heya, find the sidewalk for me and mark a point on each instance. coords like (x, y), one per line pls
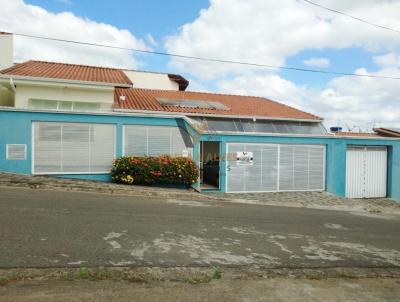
(313, 200)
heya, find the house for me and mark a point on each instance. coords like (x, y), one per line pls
(73, 120)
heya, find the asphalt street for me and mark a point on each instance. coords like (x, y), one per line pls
(70, 229)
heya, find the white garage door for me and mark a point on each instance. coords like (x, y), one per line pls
(366, 172)
(275, 168)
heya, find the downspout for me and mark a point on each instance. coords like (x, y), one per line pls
(13, 85)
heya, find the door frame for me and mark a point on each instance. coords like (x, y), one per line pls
(202, 164)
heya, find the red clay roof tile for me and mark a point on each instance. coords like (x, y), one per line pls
(146, 99)
(68, 72)
(388, 132)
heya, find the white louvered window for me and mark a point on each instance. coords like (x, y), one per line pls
(156, 140)
(69, 148)
(15, 152)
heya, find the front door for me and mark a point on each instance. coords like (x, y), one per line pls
(210, 165)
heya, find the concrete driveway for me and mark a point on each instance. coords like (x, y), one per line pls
(61, 229)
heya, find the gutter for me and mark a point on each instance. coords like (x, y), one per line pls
(328, 136)
(222, 115)
(64, 81)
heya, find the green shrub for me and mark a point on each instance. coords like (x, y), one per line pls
(154, 170)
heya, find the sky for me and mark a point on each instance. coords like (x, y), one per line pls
(286, 33)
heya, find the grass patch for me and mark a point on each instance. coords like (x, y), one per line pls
(99, 274)
(83, 273)
(217, 273)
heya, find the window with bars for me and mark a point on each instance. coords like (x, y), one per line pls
(72, 147)
(156, 140)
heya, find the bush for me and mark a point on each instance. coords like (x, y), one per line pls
(154, 170)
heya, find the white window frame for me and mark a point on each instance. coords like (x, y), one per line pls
(279, 168)
(69, 173)
(8, 151)
(73, 104)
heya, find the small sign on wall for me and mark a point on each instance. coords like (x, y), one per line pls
(185, 153)
(244, 158)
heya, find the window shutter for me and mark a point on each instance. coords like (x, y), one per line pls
(156, 140)
(135, 140)
(102, 147)
(159, 141)
(73, 147)
(180, 141)
(47, 147)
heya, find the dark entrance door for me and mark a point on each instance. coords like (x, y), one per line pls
(210, 161)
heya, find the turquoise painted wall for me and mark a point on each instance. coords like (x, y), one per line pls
(15, 128)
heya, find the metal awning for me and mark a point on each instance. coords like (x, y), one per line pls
(240, 125)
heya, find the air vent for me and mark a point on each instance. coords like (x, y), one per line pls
(15, 152)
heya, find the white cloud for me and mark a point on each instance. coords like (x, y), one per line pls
(388, 60)
(317, 62)
(17, 16)
(270, 32)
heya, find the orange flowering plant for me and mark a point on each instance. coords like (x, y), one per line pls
(154, 170)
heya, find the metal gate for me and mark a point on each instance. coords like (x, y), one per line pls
(366, 172)
(275, 168)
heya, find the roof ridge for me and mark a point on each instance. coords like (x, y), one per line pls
(72, 64)
(95, 66)
(66, 71)
(234, 95)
